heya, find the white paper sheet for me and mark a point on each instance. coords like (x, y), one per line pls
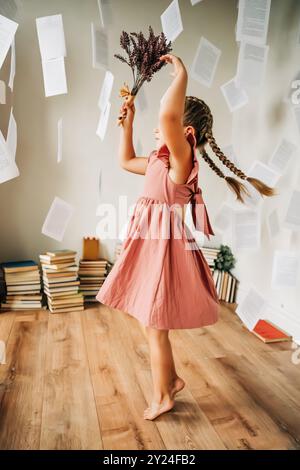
(171, 21)
(105, 12)
(99, 47)
(223, 218)
(57, 219)
(252, 61)
(194, 2)
(205, 62)
(8, 29)
(106, 90)
(273, 224)
(264, 173)
(251, 308)
(51, 37)
(55, 82)
(103, 121)
(285, 269)
(246, 229)
(59, 140)
(235, 96)
(2, 92)
(12, 65)
(253, 21)
(11, 140)
(292, 216)
(282, 155)
(8, 167)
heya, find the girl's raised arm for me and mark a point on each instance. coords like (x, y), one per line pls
(171, 119)
(127, 158)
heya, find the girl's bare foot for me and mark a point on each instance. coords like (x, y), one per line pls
(177, 385)
(156, 409)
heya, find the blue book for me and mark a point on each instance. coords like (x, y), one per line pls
(15, 266)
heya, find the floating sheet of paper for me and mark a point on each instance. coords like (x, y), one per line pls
(12, 66)
(251, 308)
(51, 37)
(11, 140)
(246, 229)
(105, 12)
(223, 218)
(282, 155)
(252, 63)
(2, 92)
(8, 167)
(253, 21)
(194, 2)
(57, 219)
(286, 268)
(99, 47)
(273, 224)
(59, 140)
(102, 125)
(171, 21)
(8, 29)
(235, 96)
(264, 172)
(205, 62)
(106, 90)
(55, 82)
(292, 216)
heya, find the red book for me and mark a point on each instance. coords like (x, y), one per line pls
(270, 333)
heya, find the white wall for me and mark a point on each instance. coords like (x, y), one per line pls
(256, 129)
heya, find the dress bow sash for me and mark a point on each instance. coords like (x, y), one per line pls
(199, 213)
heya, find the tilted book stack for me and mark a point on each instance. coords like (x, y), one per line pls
(22, 285)
(226, 285)
(60, 281)
(92, 274)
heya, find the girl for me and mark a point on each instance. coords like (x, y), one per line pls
(165, 282)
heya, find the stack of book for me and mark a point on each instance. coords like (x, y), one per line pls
(92, 274)
(60, 281)
(210, 254)
(22, 285)
(226, 285)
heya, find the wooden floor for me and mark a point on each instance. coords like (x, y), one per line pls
(82, 380)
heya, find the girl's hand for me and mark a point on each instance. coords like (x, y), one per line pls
(128, 112)
(176, 61)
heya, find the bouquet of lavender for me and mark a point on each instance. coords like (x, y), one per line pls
(143, 59)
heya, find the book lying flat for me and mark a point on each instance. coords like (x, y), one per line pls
(269, 333)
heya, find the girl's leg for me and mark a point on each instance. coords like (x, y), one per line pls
(165, 379)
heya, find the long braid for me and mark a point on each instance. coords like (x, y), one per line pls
(195, 109)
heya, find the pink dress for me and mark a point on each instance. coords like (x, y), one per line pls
(164, 280)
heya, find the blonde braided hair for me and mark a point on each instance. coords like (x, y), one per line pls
(198, 115)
